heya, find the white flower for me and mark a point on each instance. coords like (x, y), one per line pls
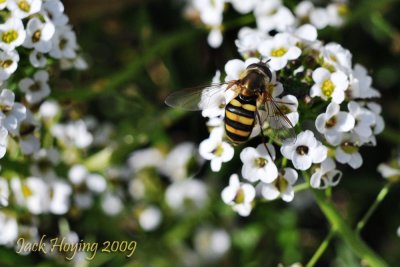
(365, 119)
(329, 85)
(8, 63)
(215, 37)
(11, 113)
(45, 160)
(4, 192)
(77, 174)
(3, 141)
(137, 189)
(54, 9)
(23, 8)
(73, 134)
(272, 14)
(12, 34)
(186, 194)
(145, 158)
(39, 34)
(258, 165)
(211, 243)
(390, 171)
(150, 218)
(96, 183)
(319, 17)
(326, 175)
(288, 105)
(379, 124)
(216, 150)
(361, 83)
(235, 67)
(243, 6)
(111, 204)
(335, 18)
(78, 63)
(249, 40)
(176, 163)
(280, 49)
(64, 43)
(333, 123)
(49, 109)
(337, 56)
(3, 4)
(348, 153)
(60, 197)
(282, 186)
(35, 89)
(29, 144)
(33, 193)
(8, 229)
(303, 10)
(305, 151)
(239, 195)
(37, 59)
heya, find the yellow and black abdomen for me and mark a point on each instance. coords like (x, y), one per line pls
(240, 118)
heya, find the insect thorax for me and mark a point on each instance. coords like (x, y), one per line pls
(254, 82)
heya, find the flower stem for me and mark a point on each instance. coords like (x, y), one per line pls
(379, 198)
(301, 187)
(321, 249)
(344, 231)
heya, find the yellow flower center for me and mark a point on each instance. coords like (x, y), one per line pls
(36, 36)
(302, 150)
(26, 191)
(239, 198)
(63, 42)
(9, 36)
(260, 162)
(218, 151)
(349, 147)
(34, 87)
(6, 63)
(281, 184)
(24, 5)
(278, 52)
(327, 88)
(331, 122)
(2, 1)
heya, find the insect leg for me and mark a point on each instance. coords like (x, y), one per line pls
(263, 139)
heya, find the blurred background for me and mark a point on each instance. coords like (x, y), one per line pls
(139, 51)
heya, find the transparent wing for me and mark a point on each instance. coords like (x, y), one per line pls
(282, 130)
(198, 98)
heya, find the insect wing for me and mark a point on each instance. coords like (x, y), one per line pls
(197, 98)
(283, 129)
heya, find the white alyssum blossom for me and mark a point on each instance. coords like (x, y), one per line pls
(329, 86)
(211, 243)
(258, 164)
(54, 9)
(347, 151)
(337, 56)
(150, 218)
(215, 37)
(279, 50)
(333, 123)
(11, 112)
(390, 171)
(23, 8)
(273, 15)
(215, 149)
(287, 105)
(60, 197)
(12, 34)
(3, 141)
(364, 119)
(239, 195)
(8, 229)
(8, 63)
(145, 158)
(361, 83)
(35, 89)
(49, 109)
(249, 39)
(282, 186)
(64, 43)
(186, 194)
(379, 123)
(4, 192)
(37, 59)
(32, 193)
(73, 134)
(326, 175)
(39, 34)
(243, 6)
(111, 204)
(305, 151)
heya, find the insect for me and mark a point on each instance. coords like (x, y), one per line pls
(251, 95)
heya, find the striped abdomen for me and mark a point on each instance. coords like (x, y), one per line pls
(240, 117)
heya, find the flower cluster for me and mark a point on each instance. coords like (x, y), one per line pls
(328, 100)
(269, 15)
